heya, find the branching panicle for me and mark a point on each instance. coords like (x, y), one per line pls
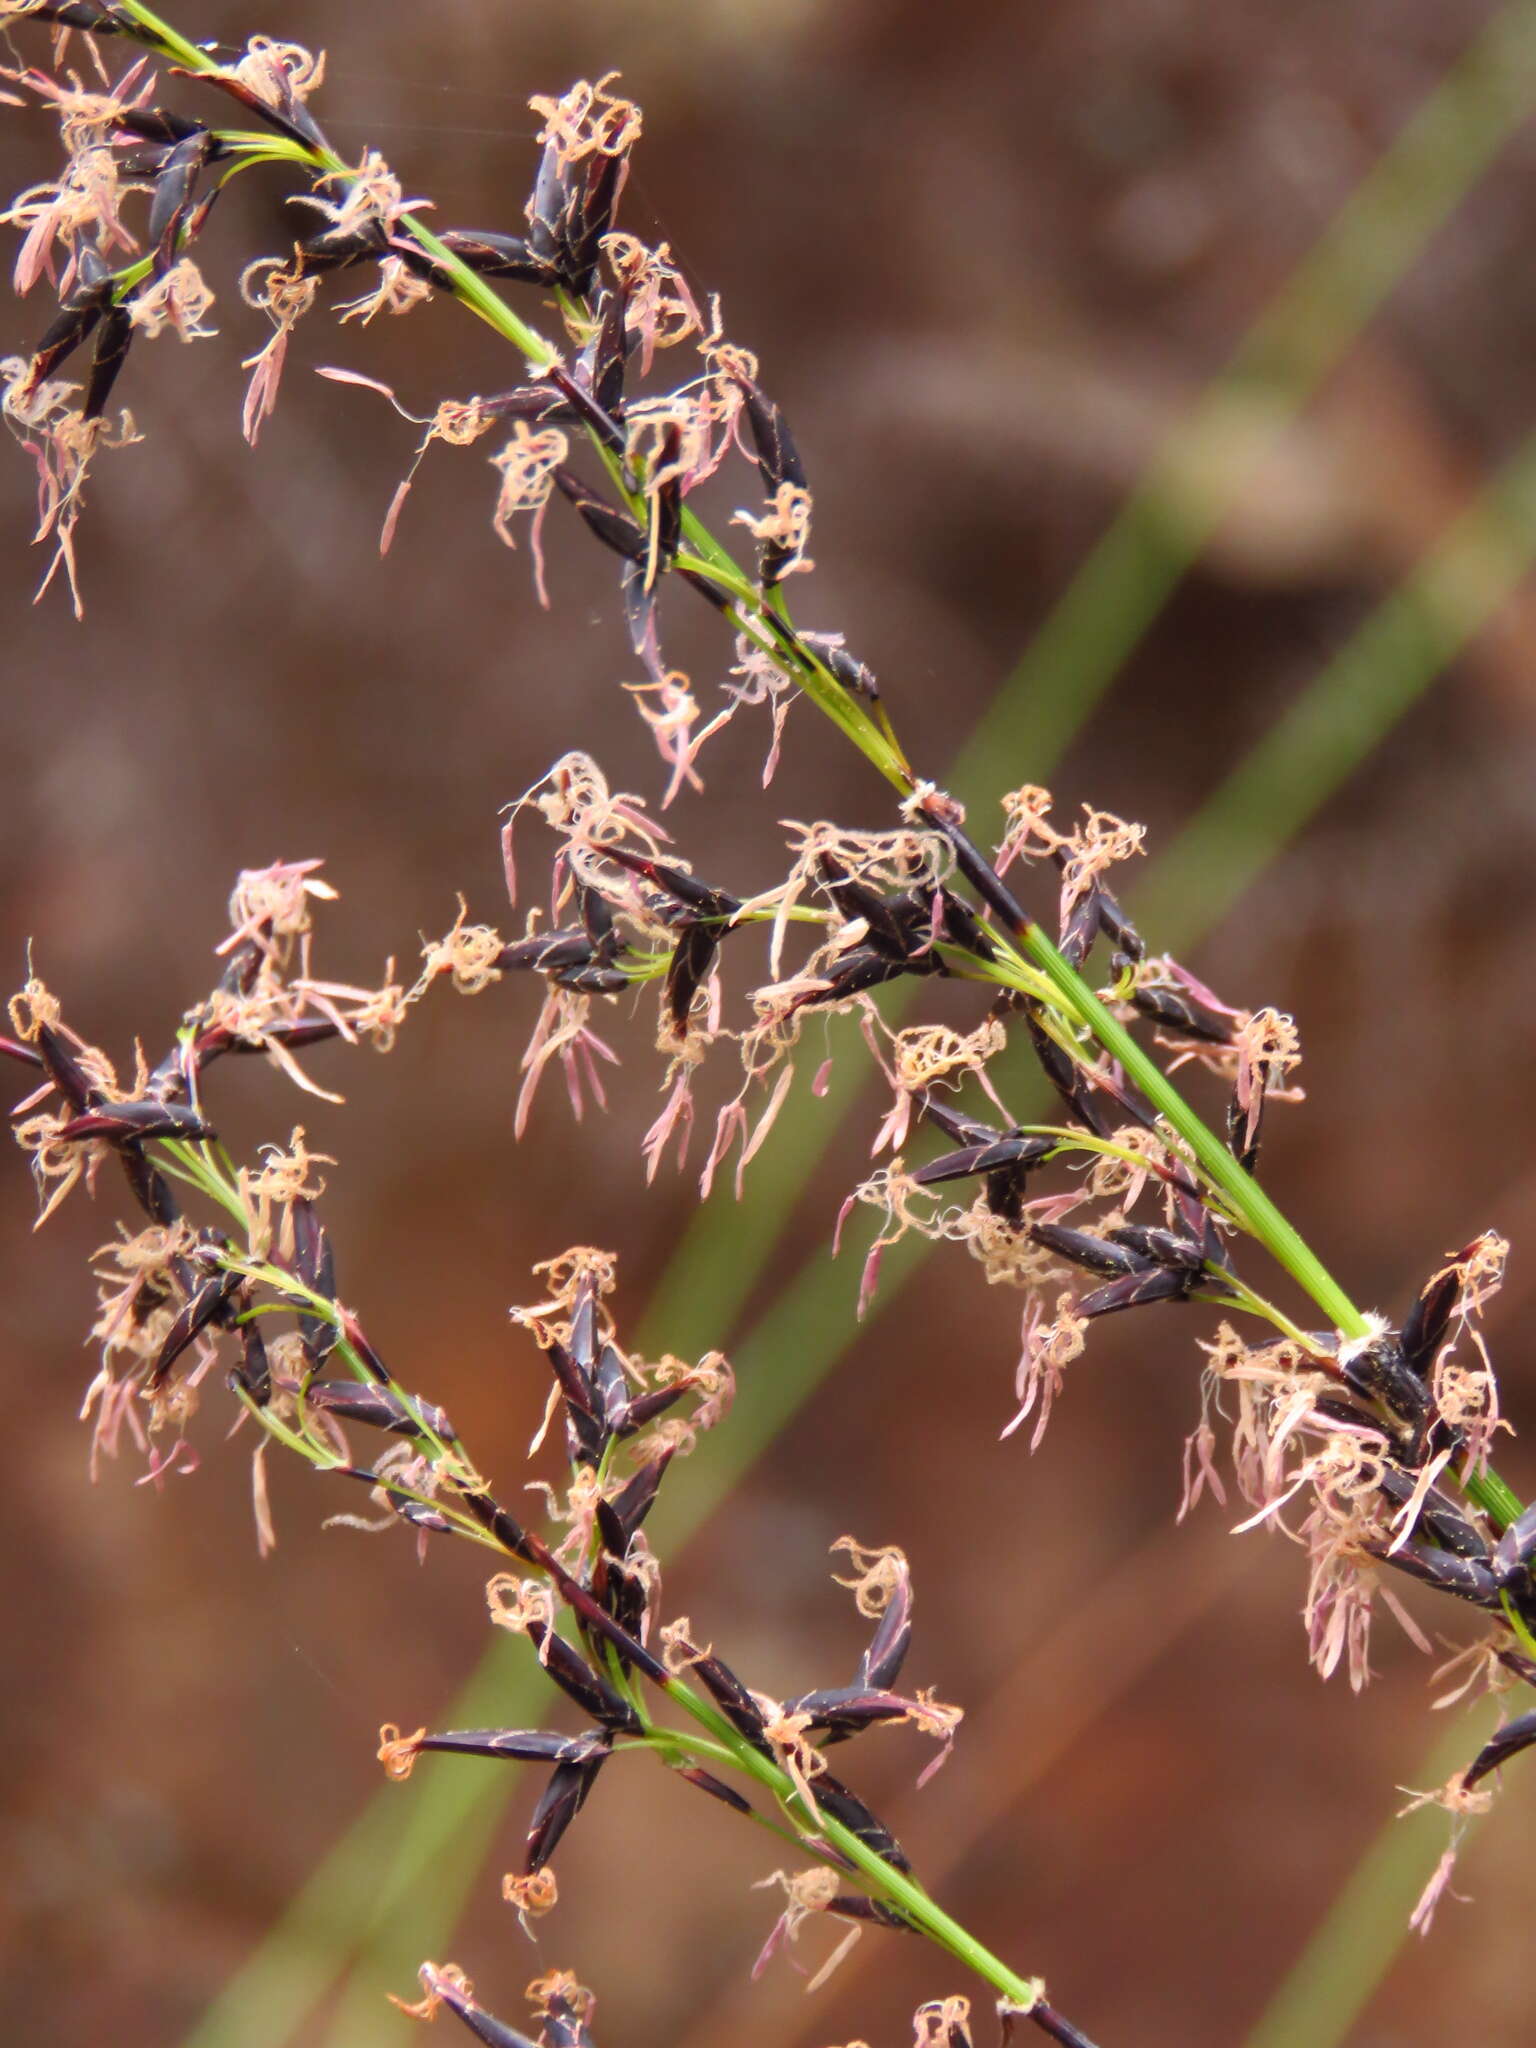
(1367, 1444)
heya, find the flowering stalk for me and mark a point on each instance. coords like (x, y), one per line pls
(711, 560)
(766, 616)
(168, 1292)
(764, 613)
(1368, 1427)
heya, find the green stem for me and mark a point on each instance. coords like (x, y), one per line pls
(725, 1743)
(874, 740)
(172, 44)
(893, 1886)
(1247, 1199)
(879, 746)
(473, 291)
(1246, 1302)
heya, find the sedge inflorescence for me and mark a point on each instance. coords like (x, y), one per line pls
(1367, 1442)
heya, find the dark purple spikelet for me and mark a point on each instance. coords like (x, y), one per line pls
(727, 1691)
(521, 1745)
(706, 1781)
(881, 1662)
(559, 1803)
(137, 1121)
(378, 1407)
(449, 1987)
(208, 1306)
(1513, 1737)
(834, 1799)
(1428, 1321)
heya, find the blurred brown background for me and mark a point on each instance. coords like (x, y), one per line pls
(989, 256)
